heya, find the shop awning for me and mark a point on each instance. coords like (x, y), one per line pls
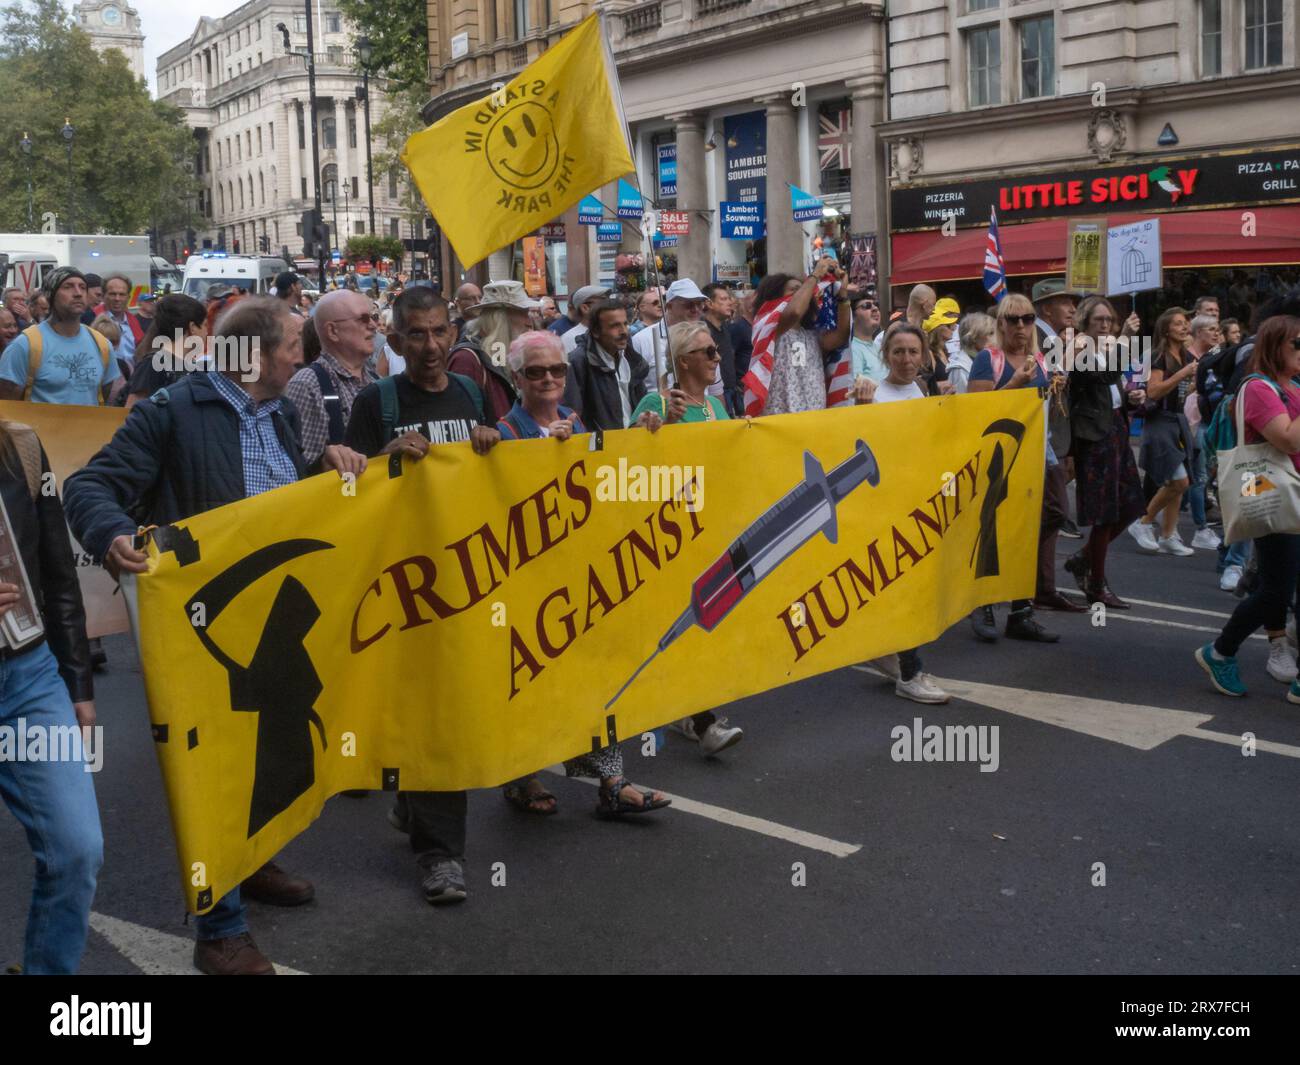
(1188, 239)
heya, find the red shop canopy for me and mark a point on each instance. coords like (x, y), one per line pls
(1188, 239)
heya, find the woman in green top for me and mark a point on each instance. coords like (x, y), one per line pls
(694, 359)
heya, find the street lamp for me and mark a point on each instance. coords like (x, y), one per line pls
(365, 52)
(26, 145)
(321, 251)
(68, 133)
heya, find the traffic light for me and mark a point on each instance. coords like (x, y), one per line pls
(315, 237)
(264, 243)
(236, 245)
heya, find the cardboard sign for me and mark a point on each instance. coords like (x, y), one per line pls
(1133, 257)
(1085, 256)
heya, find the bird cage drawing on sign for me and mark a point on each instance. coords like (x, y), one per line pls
(1134, 267)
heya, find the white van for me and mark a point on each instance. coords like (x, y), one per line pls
(253, 273)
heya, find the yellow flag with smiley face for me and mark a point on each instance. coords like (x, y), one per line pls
(496, 169)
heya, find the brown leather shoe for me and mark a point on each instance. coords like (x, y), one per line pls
(1056, 601)
(1102, 594)
(273, 886)
(233, 956)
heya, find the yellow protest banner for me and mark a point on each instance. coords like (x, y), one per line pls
(500, 167)
(476, 618)
(71, 435)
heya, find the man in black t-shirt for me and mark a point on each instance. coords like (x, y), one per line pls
(431, 408)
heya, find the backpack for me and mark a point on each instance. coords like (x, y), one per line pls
(388, 400)
(1221, 433)
(333, 403)
(36, 349)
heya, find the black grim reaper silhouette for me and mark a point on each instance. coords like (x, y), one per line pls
(984, 555)
(279, 684)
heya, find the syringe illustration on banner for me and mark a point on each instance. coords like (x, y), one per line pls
(803, 512)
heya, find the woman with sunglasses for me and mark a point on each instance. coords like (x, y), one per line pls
(1272, 413)
(539, 365)
(1017, 363)
(1109, 490)
(694, 358)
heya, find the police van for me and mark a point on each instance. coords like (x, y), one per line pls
(255, 274)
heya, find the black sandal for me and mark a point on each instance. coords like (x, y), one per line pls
(612, 804)
(518, 796)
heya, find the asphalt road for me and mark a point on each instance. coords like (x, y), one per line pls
(955, 870)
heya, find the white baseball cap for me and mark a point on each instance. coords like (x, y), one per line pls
(685, 289)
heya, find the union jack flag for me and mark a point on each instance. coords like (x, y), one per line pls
(995, 267)
(834, 140)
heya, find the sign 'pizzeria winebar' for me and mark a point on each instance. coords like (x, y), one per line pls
(1188, 183)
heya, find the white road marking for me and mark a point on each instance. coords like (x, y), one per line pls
(156, 953)
(1111, 615)
(1132, 724)
(724, 816)
(1180, 609)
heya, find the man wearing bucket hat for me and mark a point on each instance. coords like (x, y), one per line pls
(60, 360)
(502, 314)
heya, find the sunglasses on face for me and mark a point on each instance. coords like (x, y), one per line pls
(711, 351)
(1295, 343)
(558, 370)
(1020, 319)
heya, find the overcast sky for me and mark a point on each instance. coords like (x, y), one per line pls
(168, 22)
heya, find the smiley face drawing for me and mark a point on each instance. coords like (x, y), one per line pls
(521, 146)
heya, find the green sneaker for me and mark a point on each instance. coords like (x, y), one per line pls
(1223, 672)
(1293, 692)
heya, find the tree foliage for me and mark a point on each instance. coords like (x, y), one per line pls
(129, 153)
(367, 247)
(399, 36)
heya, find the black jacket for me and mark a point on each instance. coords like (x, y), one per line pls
(1090, 409)
(177, 455)
(592, 389)
(42, 536)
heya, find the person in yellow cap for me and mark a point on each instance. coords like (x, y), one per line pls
(939, 327)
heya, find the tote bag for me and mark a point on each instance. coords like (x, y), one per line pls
(1259, 486)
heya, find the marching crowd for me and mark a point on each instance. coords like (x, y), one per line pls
(347, 380)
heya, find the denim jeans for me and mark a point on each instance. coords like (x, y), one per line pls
(1233, 555)
(437, 821)
(1199, 476)
(225, 919)
(54, 801)
(1268, 605)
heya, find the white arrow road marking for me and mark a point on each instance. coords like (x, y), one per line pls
(1179, 609)
(156, 953)
(1112, 615)
(724, 816)
(1132, 724)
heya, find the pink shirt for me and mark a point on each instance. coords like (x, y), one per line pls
(1263, 405)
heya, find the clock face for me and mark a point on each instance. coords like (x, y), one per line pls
(111, 16)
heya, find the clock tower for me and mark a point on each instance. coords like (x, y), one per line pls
(114, 24)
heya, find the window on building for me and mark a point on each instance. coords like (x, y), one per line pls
(259, 30)
(239, 149)
(395, 227)
(521, 21)
(490, 22)
(259, 59)
(333, 23)
(221, 199)
(981, 5)
(304, 188)
(984, 58)
(299, 23)
(259, 140)
(329, 183)
(248, 137)
(334, 54)
(1263, 34)
(270, 133)
(302, 128)
(297, 229)
(356, 188)
(1037, 59)
(241, 194)
(392, 184)
(358, 228)
(1211, 37)
(327, 133)
(352, 129)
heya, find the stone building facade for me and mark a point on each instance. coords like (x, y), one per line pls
(113, 24)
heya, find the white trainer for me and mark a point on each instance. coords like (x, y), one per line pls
(1172, 545)
(1281, 660)
(1206, 538)
(1145, 536)
(718, 737)
(1228, 582)
(921, 689)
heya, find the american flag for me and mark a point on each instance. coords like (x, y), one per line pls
(759, 378)
(995, 268)
(834, 140)
(839, 379)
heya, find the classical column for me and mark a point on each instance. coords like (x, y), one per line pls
(785, 240)
(295, 153)
(694, 256)
(342, 157)
(870, 185)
